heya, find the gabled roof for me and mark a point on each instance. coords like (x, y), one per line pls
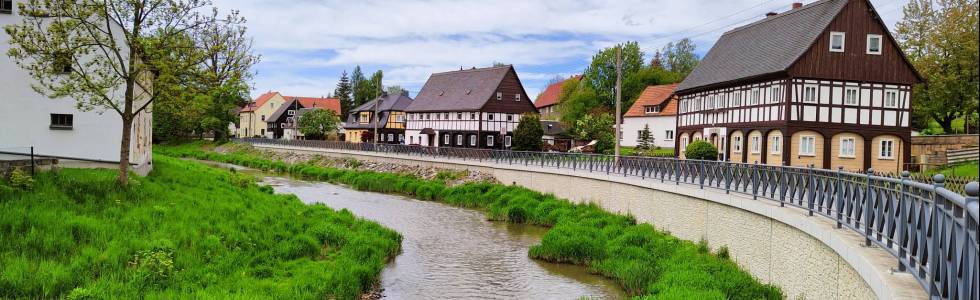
(654, 95)
(261, 100)
(550, 95)
(299, 113)
(311, 102)
(388, 102)
(290, 104)
(768, 46)
(464, 90)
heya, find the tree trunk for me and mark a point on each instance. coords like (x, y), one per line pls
(947, 123)
(124, 148)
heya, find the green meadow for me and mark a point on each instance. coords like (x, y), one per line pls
(647, 263)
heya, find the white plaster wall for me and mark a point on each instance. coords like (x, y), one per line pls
(658, 129)
(25, 119)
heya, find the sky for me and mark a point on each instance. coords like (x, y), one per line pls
(305, 45)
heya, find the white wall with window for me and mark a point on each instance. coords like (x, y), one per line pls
(662, 130)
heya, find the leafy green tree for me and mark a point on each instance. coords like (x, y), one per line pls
(579, 101)
(645, 138)
(680, 57)
(355, 78)
(701, 150)
(343, 93)
(68, 50)
(527, 135)
(941, 40)
(368, 89)
(601, 73)
(318, 124)
(635, 83)
(597, 127)
(394, 90)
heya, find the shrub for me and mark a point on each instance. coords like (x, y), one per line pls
(20, 180)
(701, 150)
(527, 135)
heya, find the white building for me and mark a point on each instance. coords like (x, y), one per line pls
(656, 107)
(54, 127)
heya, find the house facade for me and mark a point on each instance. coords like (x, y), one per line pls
(390, 120)
(823, 84)
(475, 108)
(547, 102)
(286, 115)
(656, 109)
(252, 117)
(56, 127)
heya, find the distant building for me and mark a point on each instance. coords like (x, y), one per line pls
(656, 107)
(56, 127)
(361, 120)
(253, 118)
(286, 115)
(823, 84)
(547, 102)
(475, 108)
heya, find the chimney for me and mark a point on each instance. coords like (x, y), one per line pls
(770, 14)
(797, 5)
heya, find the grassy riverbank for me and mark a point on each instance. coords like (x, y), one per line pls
(645, 261)
(185, 231)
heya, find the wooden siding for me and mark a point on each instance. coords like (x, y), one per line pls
(856, 21)
(509, 87)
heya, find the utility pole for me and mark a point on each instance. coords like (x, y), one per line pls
(619, 96)
(377, 102)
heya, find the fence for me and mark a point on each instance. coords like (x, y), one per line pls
(17, 158)
(930, 230)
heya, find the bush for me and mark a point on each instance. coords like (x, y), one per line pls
(527, 135)
(701, 150)
(20, 180)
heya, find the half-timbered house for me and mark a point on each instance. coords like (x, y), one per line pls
(822, 84)
(475, 108)
(390, 120)
(286, 115)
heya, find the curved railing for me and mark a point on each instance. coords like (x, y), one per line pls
(931, 231)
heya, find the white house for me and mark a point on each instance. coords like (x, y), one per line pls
(656, 107)
(54, 127)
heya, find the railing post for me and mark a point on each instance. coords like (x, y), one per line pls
(728, 177)
(938, 182)
(755, 179)
(811, 193)
(867, 207)
(700, 174)
(901, 221)
(840, 197)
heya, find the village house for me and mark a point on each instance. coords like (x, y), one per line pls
(547, 102)
(56, 127)
(251, 118)
(474, 108)
(823, 84)
(655, 109)
(361, 121)
(286, 115)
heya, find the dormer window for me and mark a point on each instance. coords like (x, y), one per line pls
(651, 109)
(836, 41)
(874, 44)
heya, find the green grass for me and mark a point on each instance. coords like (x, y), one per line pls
(186, 231)
(967, 169)
(646, 262)
(632, 151)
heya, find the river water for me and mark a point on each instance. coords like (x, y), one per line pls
(455, 253)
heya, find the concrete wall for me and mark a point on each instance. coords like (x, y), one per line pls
(806, 256)
(931, 149)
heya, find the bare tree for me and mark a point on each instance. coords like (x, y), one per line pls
(105, 54)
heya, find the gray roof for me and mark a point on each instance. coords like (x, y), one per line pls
(388, 102)
(464, 90)
(767, 46)
(299, 114)
(552, 127)
(282, 109)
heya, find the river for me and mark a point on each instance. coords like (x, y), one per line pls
(456, 253)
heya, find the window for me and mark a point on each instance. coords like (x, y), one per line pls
(836, 42)
(381, 138)
(364, 117)
(445, 139)
(874, 44)
(401, 137)
(291, 112)
(490, 141)
(472, 116)
(438, 116)
(709, 102)
(399, 118)
(755, 96)
(263, 132)
(885, 149)
(810, 94)
(473, 140)
(808, 145)
(517, 97)
(489, 117)
(777, 144)
(459, 116)
(510, 117)
(756, 144)
(721, 100)
(6, 6)
(63, 62)
(850, 96)
(459, 140)
(737, 144)
(62, 121)
(651, 109)
(846, 147)
(683, 144)
(263, 117)
(445, 116)
(500, 96)
(738, 99)
(777, 94)
(669, 134)
(507, 141)
(391, 137)
(891, 99)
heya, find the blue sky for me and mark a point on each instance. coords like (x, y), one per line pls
(306, 44)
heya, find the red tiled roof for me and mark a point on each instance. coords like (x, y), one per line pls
(252, 106)
(550, 95)
(654, 95)
(311, 102)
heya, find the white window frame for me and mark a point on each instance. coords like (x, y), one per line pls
(446, 137)
(500, 95)
(756, 95)
(737, 144)
(489, 116)
(845, 151)
(490, 140)
(401, 137)
(843, 41)
(400, 118)
(756, 142)
(777, 92)
(857, 96)
(885, 100)
(459, 140)
(808, 149)
(651, 109)
(507, 140)
(517, 97)
(777, 144)
(473, 140)
(669, 134)
(807, 99)
(890, 154)
(868, 44)
(683, 143)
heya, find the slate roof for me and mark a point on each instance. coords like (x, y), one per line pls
(299, 114)
(767, 46)
(290, 103)
(389, 102)
(552, 128)
(654, 95)
(550, 95)
(464, 90)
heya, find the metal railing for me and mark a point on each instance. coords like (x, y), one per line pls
(931, 231)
